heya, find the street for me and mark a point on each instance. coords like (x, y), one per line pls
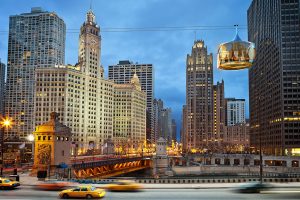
(26, 192)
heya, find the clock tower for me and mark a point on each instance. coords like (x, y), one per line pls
(90, 47)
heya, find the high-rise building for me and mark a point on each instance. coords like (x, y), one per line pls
(36, 40)
(158, 106)
(219, 112)
(63, 89)
(80, 94)
(174, 130)
(274, 77)
(124, 71)
(236, 137)
(2, 87)
(130, 114)
(166, 125)
(89, 52)
(183, 132)
(199, 96)
(235, 111)
(162, 122)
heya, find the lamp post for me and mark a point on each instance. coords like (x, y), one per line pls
(5, 124)
(2, 149)
(49, 163)
(31, 139)
(261, 161)
(260, 145)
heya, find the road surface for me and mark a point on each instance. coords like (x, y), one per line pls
(26, 192)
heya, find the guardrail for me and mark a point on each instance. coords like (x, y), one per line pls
(189, 180)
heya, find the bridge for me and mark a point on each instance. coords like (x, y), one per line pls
(85, 167)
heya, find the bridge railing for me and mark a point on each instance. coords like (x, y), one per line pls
(93, 158)
(107, 161)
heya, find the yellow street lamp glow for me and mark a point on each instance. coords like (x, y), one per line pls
(30, 138)
(6, 122)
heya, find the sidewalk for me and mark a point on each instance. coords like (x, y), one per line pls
(9, 171)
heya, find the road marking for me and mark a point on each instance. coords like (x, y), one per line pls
(279, 192)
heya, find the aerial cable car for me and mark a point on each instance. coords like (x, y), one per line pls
(236, 55)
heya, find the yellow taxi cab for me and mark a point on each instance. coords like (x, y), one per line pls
(6, 183)
(87, 192)
(52, 185)
(123, 185)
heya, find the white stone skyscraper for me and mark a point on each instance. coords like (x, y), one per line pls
(124, 71)
(36, 40)
(89, 52)
(80, 94)
(199, 97)
(130, 114)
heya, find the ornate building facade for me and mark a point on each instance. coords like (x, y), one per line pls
(122, 74)
(80, 94)
(199, 96)
(130, 114)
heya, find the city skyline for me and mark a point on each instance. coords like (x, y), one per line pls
(150, 99)
(138, 46)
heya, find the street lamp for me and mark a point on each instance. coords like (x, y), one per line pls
(30, 138)
(5, 124)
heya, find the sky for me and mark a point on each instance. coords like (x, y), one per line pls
(166, 50)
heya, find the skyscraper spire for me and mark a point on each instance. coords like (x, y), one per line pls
(91, 5)
(90, 16)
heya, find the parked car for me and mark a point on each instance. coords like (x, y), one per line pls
(6, 183)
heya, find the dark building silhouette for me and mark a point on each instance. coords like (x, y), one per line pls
(274, 79)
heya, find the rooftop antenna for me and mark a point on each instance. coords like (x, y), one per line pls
(195, 34)
(91, 5)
